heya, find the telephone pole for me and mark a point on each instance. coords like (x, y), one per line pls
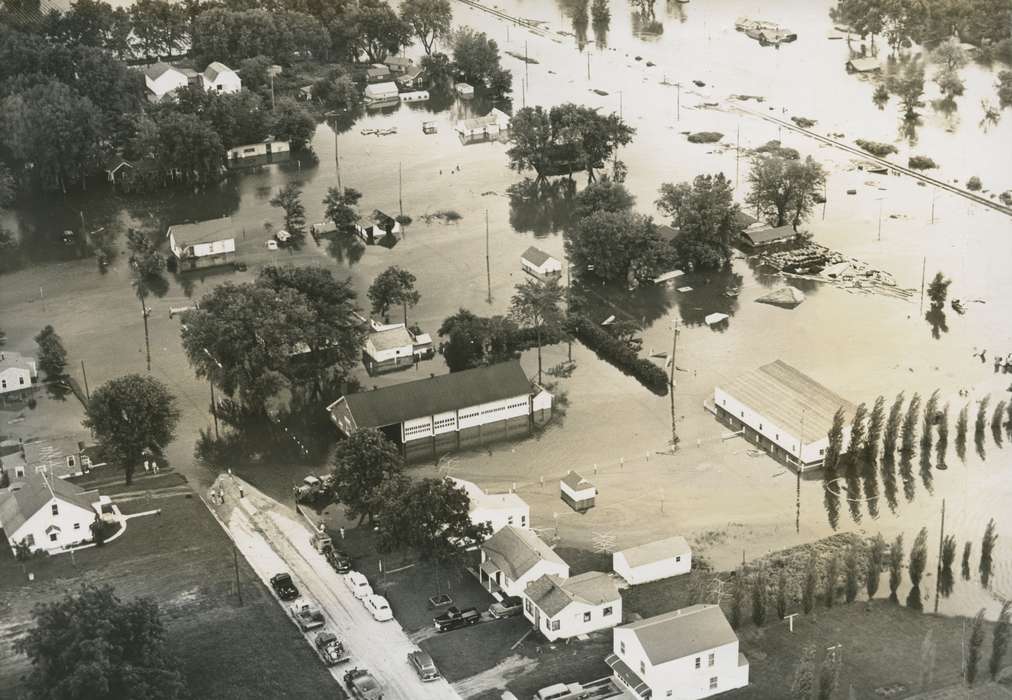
(737, 155)
(337, 160)
(488, 261)
(924, 266)
(400, 187)
(87, 394)
(671, 384)
(941, 544)
(797, 488)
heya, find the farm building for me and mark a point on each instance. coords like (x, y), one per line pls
(760, 238)
(17, 373)
(202, 244)
(562, 608)
(394, 347)
(162, 79)
(448, 411)
(218, 77)
(577, 492)
(783, 411)
(496, 509)
(377, 73)
(653, 561)
(540, 264)
(513, 557)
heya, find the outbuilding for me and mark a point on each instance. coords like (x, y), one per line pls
(218, 77)
(162, 79)
(202, 244)
(577, 492)
(464, 89)
(540, 264)
(653, 561)
(763, 237)
(17, 374)
(44, 513)
(399, 64)
(866, 64)
(380, 94)
(257, 151)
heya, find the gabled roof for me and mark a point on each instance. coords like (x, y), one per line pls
(399, 61)
(536, 256)
(489, 501)
(680, 633)
(576, 482)
(769, 235)
(656, 551)
(391, 338)
(202, 231)
(51, 450)
(9, 360)
(515, 551)
(157, 70)
(377, 71)
(863, 65)
(25, 498)
(427, 397)
(215, 69)
(553, 594)
(668, 233)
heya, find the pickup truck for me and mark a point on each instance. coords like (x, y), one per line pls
(454, 618)
(307, 615)
(330, 648)
(362, 685)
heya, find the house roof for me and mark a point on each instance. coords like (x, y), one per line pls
(769, 235)
(399, 61)
(552, 594)
(515, 551)
(381, 89)
(680, 633)
(447, 392)
(391, 338)
(215, 69)
(789, 398)
(10, 360)
(655, 551)
(157, 70)
(43, 451)
(536, 256)
(576, 482)
(489, 501)
(202, 231)
(863, 65)
(377, 71)
(25, 498)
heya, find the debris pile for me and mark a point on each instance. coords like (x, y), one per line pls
(818, 263)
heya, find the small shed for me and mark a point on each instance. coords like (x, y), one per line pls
(577, 492)
(863, 65)
(429, 127)
(653, 561)
(399, 64)
(540, 264)
(464, 89)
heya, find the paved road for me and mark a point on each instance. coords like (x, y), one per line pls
(275, 538)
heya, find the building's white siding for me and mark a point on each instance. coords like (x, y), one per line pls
(16, 379)
(226, 81)
(576, 618)
(221, 247)
(543, 567)
(70, 525)
(674, 565)
(403, 352)
(444, 423)
(167, 82)
(416, 429)
(498, 518)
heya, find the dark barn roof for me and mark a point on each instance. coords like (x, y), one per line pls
(447, 392)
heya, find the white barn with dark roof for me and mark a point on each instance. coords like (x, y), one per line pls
(783, 411)
(540, 264)
(685, 654)
(653, 561)
(218, 77)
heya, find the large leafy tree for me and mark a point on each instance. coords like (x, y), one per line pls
(616, 246)
(362, 464)
(783, 190)
(131, 416)
(188, 145)
(8, 187)
(290, 121)
(536, 304)
(220, 34)
(602, 195)
(428, 19)
(289, 200)
(52, 355)
(393, 287)
(465, 340)
(705, 213)
(380, 32)
(160, 27)
(340, 207)
(90, 645)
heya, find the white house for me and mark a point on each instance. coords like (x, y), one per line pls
(683, 654)
(220, 78)
(653, 561)
(46, 513)
(560, 608)
(577, 492)
(267, 147)
(162, 79)
(202, 244)
(537, 262)
(17, 373)
(399, 64)
(381, 94)
(496, 509)
(392, 346)
(783, 411)
(513, 557)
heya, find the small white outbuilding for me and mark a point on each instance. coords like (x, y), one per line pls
(653, 561)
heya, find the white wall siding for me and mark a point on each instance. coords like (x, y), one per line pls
(74, 525)
(416, 428)
(444, 423)
(675, 565)
(573, 619)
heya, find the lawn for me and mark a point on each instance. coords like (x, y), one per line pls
(183, 560)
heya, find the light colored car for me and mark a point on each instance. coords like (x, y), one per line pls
(358, 584)
(272, 245)
(379, 607)
(424, 666)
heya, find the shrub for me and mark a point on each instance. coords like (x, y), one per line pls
(974, 184)
(875, 148)
(803, 122)
(617, 353)
(921, 163)
(705, 137)
(403, 219)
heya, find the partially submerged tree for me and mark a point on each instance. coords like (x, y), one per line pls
(536, 304)
(834, 447)
(918, 557)
(52, 356)
(987, 544)
(393, 287)
(783, 190)
(340, 207)
(873, 572)
(973, 648)
(616, 247)
(895, 560)
(1000, 641)
(706, 216)
(428, 19)
(289, 200)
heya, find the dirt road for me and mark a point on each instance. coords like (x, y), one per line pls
(274, 538)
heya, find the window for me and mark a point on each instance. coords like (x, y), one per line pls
(555, 625)
(528, 605)
(643, 668)
(523, 521)
(586, 616)
(56, 509)
(711, 659)
(3, 383)
(607, 611)
(621, 647)
(52, 537)
(743, 414)
(760, 426)
(77, 526)
(678, 558)
(29, 540)
(70, 460)
(19, 471)
(21, 381)
(822, 452)
(509, 519)
(699, 662)
(713, 683)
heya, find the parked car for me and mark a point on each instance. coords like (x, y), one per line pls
(358, 584)
(362, 685)
(562, 691)
(284, 587)
(283, 237)
(307, 615)
(330, 648)
(510, 606)
(424, 666)
(339, 560)
(378, 606)
(454, 619)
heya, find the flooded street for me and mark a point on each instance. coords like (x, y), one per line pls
(859, 343)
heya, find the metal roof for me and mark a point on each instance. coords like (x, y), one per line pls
(576, 482)
(656, 551)
(515, 551)
(447, 392)
(202, 231)
(680, 633)
(790, 399)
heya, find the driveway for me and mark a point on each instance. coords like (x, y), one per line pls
(273, 538)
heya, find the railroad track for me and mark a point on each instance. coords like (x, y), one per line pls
(533, 26)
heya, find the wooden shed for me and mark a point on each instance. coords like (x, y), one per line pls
(577, 492)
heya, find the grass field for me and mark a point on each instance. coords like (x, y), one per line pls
(183, 560)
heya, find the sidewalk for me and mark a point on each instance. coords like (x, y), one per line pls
(274, 538)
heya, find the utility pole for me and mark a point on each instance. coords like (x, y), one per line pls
(400, 187)
(214, 402)
(235, 566)
(797, 488)
(147, 341)
(941, 544)
(619, 104)
(337, 161)
(525, 64)
(488, 261)
(737, 155)
(880, 219)
(671, 384)
(924, 266)
(87, 394)
(678, 102)
(588, 65)
(271, 71)
(569, 293)
(824, 199)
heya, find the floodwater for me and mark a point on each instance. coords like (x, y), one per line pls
(856, 342)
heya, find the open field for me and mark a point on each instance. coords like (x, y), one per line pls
(183, 560)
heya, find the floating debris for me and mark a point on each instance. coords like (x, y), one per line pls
(715, 318)
(685, 289)
(786, 297)
(521, 57)
(668, 276)
(699, 83)
(602, 93)
(705, 137)
(818, 263)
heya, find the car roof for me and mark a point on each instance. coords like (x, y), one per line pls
(376, 599)
(421, 657)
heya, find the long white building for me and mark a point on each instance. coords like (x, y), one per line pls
(497, 510)
(783, 411)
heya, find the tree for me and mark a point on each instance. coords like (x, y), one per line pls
(738, 594)
(986, 552)
(834, 447)
(852, 575)
(892, 429)
(8, 188)
(289, 199)
(393, 287)
(918, 557)
(362, 463)
(855, 448)
(876, 424)
(759, 598)
(292, 122)
(535, 304)
(895, 560)
(146, 267)
(1004, 87)
(938, 289)
(475, 56)
(929, 419)
(220, 34)
(616, 247)
(380, 32)
(705, 214)
(601, 195)
(810, 583)
(832, 578)
(981, 422)
(439, 70)
(130, 417)
(908, 433)
(431, 517)
(336, 90)
(962, 423)
(600, 12)
(973, 648)
(967, 551)
(159, 27)
(782, 594)
(464, 347)
(188, 145)
(876, 555)
(91, 645)
(783, 190)
(829, 676)
(340, 207)
(950, 54)
(428, 19)
(52, 356)
(949, 84)
(804, 685)
(1000, 640)
(908, 85)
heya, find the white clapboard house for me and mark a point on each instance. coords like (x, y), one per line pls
(562, 608)
(513, 557)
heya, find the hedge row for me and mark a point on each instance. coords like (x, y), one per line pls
(614, 351)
